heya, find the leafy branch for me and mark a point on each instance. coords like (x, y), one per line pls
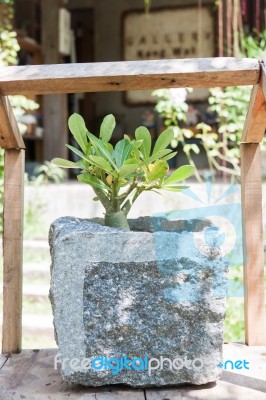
(119, 174)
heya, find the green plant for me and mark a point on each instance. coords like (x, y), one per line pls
(230, 105)
(49, 172)
(118, 175)
(223, 149)
(172, 107)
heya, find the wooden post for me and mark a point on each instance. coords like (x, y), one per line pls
(54, 106)
(12, 250)
(10, 137)
(255, 333)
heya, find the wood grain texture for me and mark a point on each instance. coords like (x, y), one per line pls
(12, 250)
(220, 391)
(128, 75)
(31, 375)
(10, 136)
(251, 195)
(255, 123)
(263, 76)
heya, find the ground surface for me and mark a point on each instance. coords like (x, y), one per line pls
(31, 376)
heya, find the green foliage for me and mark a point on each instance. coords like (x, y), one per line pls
(254, 46)
(8, 47)
(49, 172)
(230, 105)
(234, 321)
(172, 107)
(223, 149)
(120, 174)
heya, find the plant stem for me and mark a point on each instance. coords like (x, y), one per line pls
(114, 217)
(117, 219)
(103, 198)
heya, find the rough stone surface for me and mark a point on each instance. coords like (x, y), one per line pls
(140, 295)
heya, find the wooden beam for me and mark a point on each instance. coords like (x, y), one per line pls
(10, 136)
(128, 75)
(263, 77)
(255, 123)
(251, 189)
(12, 250)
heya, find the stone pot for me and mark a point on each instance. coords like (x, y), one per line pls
(141, 308)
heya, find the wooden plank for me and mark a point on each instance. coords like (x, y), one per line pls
(31, 375)
(255, 123)
(10, 136)
(128, 75)
(251, 195)
(219, 391)
(12, 250)
(263, 76)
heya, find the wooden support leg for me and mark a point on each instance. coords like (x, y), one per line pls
(255, 333)
(12, 250)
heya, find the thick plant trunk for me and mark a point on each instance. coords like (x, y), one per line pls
(116, 219)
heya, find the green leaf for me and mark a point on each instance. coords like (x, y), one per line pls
(93, 181)
(131, 161)
(137, 143)
(88, 149)
(81, 164)
(101, 163)
(122, 150)
(103, 150)
(142, 133)
(109, 147)
(180, 174)
(158, 155)
(163, 140)
(76, 151)
(159, 170)
(174, 188)
(169, 156)
(60, 162)
(78, 129)
(127, 170)
(107, 128)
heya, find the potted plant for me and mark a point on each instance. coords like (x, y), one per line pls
(134, 301)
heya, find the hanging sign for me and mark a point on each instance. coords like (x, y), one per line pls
(166, 34)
